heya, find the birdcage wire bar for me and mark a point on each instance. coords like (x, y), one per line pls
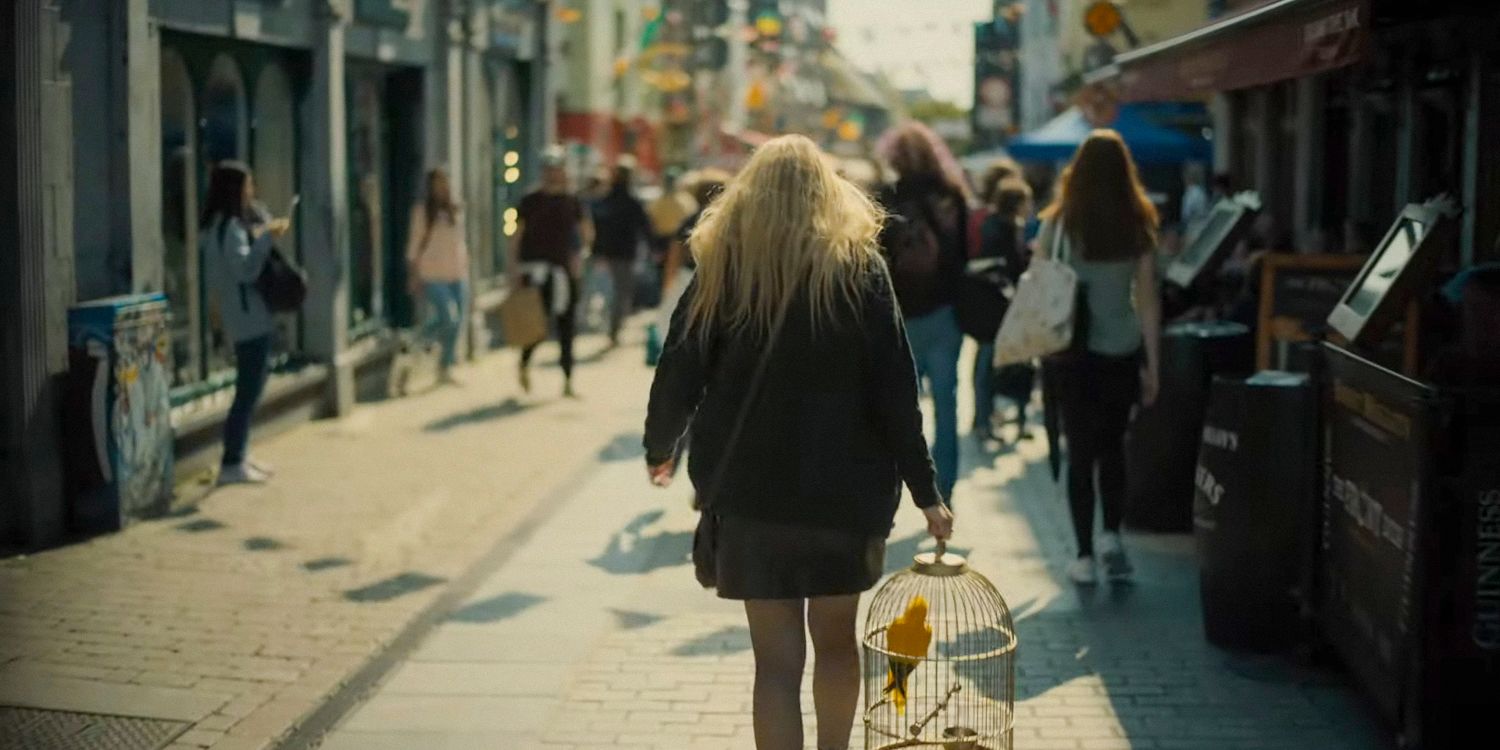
(961, 696)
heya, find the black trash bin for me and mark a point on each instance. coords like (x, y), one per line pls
(1255, 510)
(1161, 448)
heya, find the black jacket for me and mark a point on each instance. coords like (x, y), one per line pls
(620, 225)
(833, 432)
(947, 214)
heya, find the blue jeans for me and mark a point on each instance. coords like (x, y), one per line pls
(446, 321)
(935, 343)
(252, 362)
(984, 392)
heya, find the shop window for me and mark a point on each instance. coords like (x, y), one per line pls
(366, 204)
(1383, 153)
(223, 133)
(483, 210)
(1437, 161)
(515, 160)
(274, 160)
(179, 203)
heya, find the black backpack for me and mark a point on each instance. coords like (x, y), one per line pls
(914, 251)
(983, 297)
(281, 284)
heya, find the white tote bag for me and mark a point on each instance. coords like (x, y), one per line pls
(1041, 315)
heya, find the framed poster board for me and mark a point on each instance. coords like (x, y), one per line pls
(1378, 433)
(1400, 265)
(1212, 240)
(1297, 292)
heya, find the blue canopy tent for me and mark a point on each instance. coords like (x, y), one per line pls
(1149, 142)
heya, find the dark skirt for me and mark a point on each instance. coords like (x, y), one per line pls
(746, 558)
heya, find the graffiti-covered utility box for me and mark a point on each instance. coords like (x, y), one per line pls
(117, 411)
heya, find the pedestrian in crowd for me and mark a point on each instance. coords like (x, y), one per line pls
(680, 264)
(620, 225)
(552, 229)
(437, 258)
(669, 210)
(998, 172)
(234, 246)
(789, 358)
(1001, 238)
(1222, 187)
(926, 244)
(706, 186)
(1103, 225)
(1195, 198)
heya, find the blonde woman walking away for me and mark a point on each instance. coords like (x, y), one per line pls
(789, 359)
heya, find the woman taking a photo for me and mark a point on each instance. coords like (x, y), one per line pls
(789, 358)
(437, 258)
(234, 248)
(1104, 226)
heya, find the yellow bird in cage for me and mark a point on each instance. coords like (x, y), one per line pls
(907, 638)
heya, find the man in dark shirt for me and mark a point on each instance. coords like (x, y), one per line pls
(620, 226)
(551, 234)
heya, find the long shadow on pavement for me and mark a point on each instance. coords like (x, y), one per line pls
(630, 552)
(624, 447)
(393, 587)
(496, 608)
(729, 640)
(507, 408)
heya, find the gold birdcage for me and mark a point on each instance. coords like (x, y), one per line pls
(939, 667)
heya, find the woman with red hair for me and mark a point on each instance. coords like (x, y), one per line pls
(1103, 225)
(926, 244)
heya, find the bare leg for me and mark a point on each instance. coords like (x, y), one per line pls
(780, 644)
(830, 619)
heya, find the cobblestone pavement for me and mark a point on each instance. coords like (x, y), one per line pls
(243, 616)
(595, 635)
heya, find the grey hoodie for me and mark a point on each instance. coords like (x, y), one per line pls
(233, 266)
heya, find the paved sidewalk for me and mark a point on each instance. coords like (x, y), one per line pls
(228, 625)
(594, 635)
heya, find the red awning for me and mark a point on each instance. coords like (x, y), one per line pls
(1274, 42)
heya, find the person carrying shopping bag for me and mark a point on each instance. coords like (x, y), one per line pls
(552, 230)
(1102, 226)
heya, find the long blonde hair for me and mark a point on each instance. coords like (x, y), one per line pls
(787, 220)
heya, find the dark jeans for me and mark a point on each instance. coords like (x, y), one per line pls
(252, 361)
(622, 278)
(1097, 393)
(566, 323)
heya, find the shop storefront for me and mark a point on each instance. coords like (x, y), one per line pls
(1361, 123)
(343, 105)
(1339, 112)
(220, 100)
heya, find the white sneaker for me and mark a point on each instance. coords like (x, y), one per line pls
(1081, 572)
(261, 466)
(242, 474)
(1117, 565)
